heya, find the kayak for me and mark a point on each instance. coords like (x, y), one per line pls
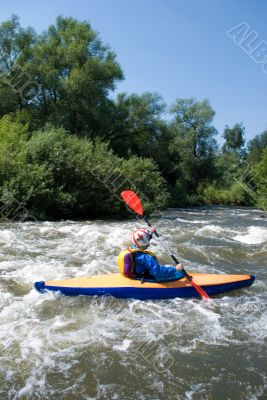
(119, 286)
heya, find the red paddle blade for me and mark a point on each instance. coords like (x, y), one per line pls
(200, 291)
(132, 201)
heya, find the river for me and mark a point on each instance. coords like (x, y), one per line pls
(56, 347)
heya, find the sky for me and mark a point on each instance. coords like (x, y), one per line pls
(177, 48)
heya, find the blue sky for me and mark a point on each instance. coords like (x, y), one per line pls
(177, 48)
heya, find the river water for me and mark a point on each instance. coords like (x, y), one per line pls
(56, 347)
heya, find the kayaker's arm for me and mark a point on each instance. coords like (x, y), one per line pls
(147, 262)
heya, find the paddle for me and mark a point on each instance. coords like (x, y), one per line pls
(133, 201)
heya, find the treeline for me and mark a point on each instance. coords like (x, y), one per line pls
(67, 148)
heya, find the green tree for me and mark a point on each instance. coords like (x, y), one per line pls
(62, 175)
(256, 147)
(13, 137)
(76, 73)
(227, 169)
(193, 123)
(234, 139)
(15, 51)
(138, 126)
(259, 173)
(73, 189)
(144, 175)
(193, 144)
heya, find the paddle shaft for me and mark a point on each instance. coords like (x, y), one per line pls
(167, 249)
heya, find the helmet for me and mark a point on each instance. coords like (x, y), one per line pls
(141, 237)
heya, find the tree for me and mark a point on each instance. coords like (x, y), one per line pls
(259, 173)
(62, 175)
(193, 142)
(144, 175)
(76, 73)
(138, 126)
(193, 123)
(234, 139)
(16, 85)
(63, 76)
(13, 137)
(256, 147)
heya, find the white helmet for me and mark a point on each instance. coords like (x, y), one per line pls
(141, 237)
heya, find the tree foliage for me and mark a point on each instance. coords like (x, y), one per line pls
(256, 147)
(193, 145)
(15, 51)
(60, 175)
(13, 137)
(234, 139)
(67, 147)
(193, 124)
(140, 124)
(260, 178)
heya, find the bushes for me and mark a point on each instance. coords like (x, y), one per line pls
(259, 173)
(212, 195)
(237, 194)
(58, 175)
(87, 177)
(144, 175)
(13, 137)
(31, 186)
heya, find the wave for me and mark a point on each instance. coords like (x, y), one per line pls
(7, 236)
(254, 235)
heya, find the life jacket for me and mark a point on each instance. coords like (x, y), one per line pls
(129, 253)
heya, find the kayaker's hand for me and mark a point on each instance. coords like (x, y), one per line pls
(152, 230)
(179, 267)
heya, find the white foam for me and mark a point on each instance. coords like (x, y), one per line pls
(65, 229)
(254, 235)
(124, 346)
(258, 329)
(195, 221)
(47, 229)
(7, 236)
(209, 230)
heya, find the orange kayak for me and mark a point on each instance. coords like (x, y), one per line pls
(117, 285)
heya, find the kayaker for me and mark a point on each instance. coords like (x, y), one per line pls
(138, 262)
